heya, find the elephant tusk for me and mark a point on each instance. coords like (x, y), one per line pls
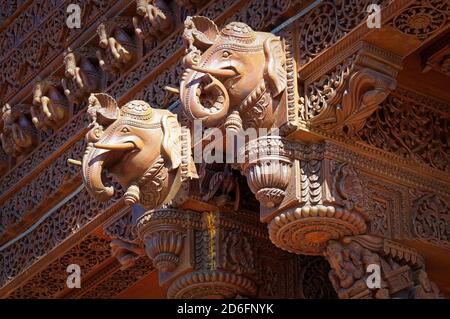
(214, 72)
(116, 147)
(171, 89)
(74, 162)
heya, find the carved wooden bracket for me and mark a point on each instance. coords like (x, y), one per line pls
(402, 269)
(340, 100)
(50, 108)
(119, 47)
(306, 197)
(154, 20)
(82, 75)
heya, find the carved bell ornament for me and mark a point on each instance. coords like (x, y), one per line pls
(144, 149)
(234, 76)
(50, 108)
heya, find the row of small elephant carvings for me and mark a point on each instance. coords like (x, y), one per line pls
(85, 72)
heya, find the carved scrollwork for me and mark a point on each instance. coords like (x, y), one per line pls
(237, 254)
(341, 100)
(327, 24)
(408, 125)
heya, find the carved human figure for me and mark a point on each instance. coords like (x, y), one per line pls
(18, 136)
(346, 270)
(139, 145)
(118, 45)
(82, 74)
(350, 258)
(154, 21)
(50, 108)
(234, 76)
(425, 289)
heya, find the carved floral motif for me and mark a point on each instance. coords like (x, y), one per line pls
(422, 19)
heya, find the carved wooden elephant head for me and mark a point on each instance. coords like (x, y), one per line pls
(139, 145)
(234, 70)
(82, 75)
(50, 107)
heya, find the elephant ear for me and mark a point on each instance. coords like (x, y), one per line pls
(200, 31)
(105, 107)
(171, 144)
(275, 65)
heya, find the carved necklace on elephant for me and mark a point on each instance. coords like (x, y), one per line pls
(149, 189)
(256, 105)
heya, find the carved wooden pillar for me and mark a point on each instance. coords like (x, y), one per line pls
(309, 198)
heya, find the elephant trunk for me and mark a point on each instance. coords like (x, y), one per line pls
(204, 97)
(93, 163)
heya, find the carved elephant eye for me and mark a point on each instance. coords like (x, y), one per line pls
(125, 130)
(226, 54)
